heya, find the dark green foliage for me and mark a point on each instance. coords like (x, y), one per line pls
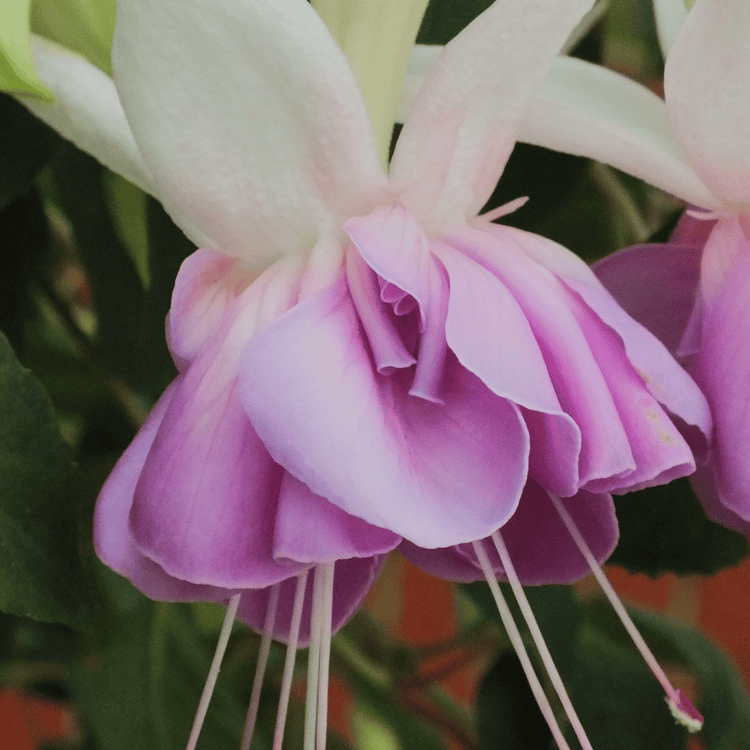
(41, 575)
(665, 529)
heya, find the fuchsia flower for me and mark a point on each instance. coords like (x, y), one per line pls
(364, 363)
(692, 292)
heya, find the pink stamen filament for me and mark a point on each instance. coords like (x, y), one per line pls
(291, 653)
(504, 210)
(213, 672)
(325, 654)
(313, 660)
(518, 645)
(538, 639)
(260, 669)
(679, 705)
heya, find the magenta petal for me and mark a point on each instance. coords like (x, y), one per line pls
(540, 547)
(448, 563)
(705, 484)
(206, 287)
(656, 285)
(722, 369)
(310, 529)
(113, 540)
(691, 231)
(579, 383)
(351, 582)
(660, 452)
(205, 504)
(491, 337)
(397, 249)
(387, 347)
(436, 475)
(666, 380)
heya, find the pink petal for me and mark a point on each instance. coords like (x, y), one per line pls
(706, 486)
(113, 539)
(660, 452)
(206, 287)
(310, 529)
(722, 369)
(724, 245)
(666, 380)
(579, 383)
(656, 285)
(706, 74)
(488, 332)
(394, 246)
(464, 123)
(437, 475)
(206, 501)
(540, 546)
(351, 582)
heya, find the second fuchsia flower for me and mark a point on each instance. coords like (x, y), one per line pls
(693, 292)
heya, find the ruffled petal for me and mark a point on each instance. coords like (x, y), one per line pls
(206, 501)
(310, 529)
(539, 544)
(436, 475)
(659, 451)
(113, 539)
(666, 380)
(464, 124)
(87, 111)
(722, 369)
(706, 74)
(351, 582)
(588, 110)
(579, 383)
(656, 285)
(249, 119)
(488, 332)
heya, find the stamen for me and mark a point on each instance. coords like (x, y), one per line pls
(325, 654)
(518, 645)
(213, 672)
(291, 653)
(504, 210)
(313, 660)
(260, 669)
(538, 638)
(682, 709)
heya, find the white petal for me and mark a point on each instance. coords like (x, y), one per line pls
(464, 123)
(706, 83)
(86, 110)
(670, 15)
(249, 118)
(421, 62)
(588, 110)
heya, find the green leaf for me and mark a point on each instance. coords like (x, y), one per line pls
(139, 685)
(618, 700)
(17, 72)
(724, 702)
(26, 146)
(41, 575)
(119, 297)
(84, 26)
(23, 224)
(666, 529)
(508, 716)
(445, 18)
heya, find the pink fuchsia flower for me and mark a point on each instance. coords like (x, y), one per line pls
(400, 368)
(691, 292)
